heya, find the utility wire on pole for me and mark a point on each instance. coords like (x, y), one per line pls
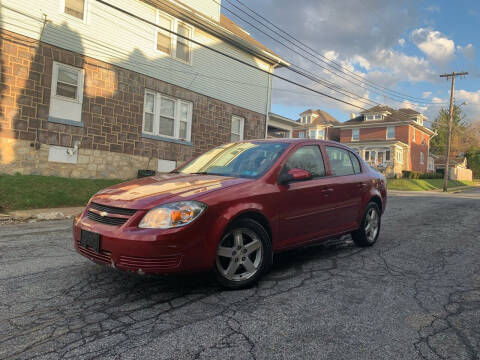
(450, 123)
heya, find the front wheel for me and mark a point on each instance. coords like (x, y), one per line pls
(244, 254)
(369, 229)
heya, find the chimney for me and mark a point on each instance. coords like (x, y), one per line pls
(352, 116)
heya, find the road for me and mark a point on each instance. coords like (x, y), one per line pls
(415, 295)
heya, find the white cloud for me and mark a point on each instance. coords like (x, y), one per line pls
(426, 94)
(472, 106)
(468, 51)
(401, 42)
(434, 44)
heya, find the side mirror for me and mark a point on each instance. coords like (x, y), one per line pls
(294, 175)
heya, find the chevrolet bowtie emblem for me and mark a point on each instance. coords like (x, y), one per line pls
(103, 213)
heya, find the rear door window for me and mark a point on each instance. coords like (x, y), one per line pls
(307, 158)
(340, 162)
(356, 163)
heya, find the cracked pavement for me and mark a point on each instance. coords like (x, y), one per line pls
(414, 295)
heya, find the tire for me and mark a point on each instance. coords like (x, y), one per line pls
(367, 235)
(243, 255)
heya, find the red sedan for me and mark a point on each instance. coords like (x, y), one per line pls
(231, 208)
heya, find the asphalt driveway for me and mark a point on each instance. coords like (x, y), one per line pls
(415, 295)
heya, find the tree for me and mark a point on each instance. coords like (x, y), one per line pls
(459, 132)
(473, 160)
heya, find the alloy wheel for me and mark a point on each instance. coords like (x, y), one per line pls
(239, 255)
(371, 224)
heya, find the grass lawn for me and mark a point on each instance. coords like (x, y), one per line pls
(19, 192)
(423, 184)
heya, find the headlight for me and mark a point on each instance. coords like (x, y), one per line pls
(172, 215)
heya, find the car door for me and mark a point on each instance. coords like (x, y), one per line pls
(305, 207)
(348, 184)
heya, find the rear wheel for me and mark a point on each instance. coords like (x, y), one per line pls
(244, 254)
(369, 230)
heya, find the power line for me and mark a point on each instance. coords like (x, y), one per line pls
(385, 91)
(227, 55)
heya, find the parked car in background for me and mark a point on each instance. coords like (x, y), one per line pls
(232, 208)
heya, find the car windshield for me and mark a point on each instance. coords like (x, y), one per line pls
(245, 159)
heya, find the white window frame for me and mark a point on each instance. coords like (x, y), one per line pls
(242, 126)
(314, 132)
(414, 135)
(81, 75)
(369, 117)
(389, 128)
(422, 158)
(378, 117)
(62, 11)
(358, 134)
(173, 37)
(176, 121)
(301, 134)
(321, 134)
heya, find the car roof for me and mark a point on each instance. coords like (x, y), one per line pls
(298, 141)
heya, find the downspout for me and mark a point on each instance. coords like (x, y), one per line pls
(269, 98)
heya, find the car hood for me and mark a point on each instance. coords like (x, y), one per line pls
(148, 192)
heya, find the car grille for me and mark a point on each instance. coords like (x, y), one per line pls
(109, 218)
(112, 210)
(152, 264)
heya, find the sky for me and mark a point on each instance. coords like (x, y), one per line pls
(401, 45)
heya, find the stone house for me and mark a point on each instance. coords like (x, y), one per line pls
(90, 91)
(389, 140)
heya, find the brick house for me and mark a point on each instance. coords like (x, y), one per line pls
(390, 140)
(88, 91)
(317, 124)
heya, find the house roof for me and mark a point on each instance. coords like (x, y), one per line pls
(284, 120)
(394, 116)
(323, 118)
(226, 29)
(453, 161)
(376, 143)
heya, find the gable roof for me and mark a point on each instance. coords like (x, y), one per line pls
(323, 118)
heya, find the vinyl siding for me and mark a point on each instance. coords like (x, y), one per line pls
(209, 8)
(118, 39)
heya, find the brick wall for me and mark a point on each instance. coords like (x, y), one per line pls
(112, 110)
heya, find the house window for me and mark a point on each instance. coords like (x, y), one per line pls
(321, 134)
(309, 118)
(422, 159)
(301, 134)
(370, 117)
(413, 136)
(387, 155)
(378, 117)
(390, 132)
(175, 46)
(367, 155)
(237, 128)
(66, 93)
(167, 116)
(355, 134)
(75, 8)
(312, 134)
(400, 155)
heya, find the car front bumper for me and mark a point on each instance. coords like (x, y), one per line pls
(144, 251)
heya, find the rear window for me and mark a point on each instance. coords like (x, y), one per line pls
(340, 162)
(356, 163)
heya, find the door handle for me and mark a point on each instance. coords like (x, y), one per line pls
(327, 190)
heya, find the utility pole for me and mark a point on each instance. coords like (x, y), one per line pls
(450, 123)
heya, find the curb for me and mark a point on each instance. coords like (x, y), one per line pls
(35, 215)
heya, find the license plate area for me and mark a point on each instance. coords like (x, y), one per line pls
(91, 240)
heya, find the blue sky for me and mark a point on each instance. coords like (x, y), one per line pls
(403, 45)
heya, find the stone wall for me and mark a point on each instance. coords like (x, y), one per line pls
(91, 163)
(112, 115)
